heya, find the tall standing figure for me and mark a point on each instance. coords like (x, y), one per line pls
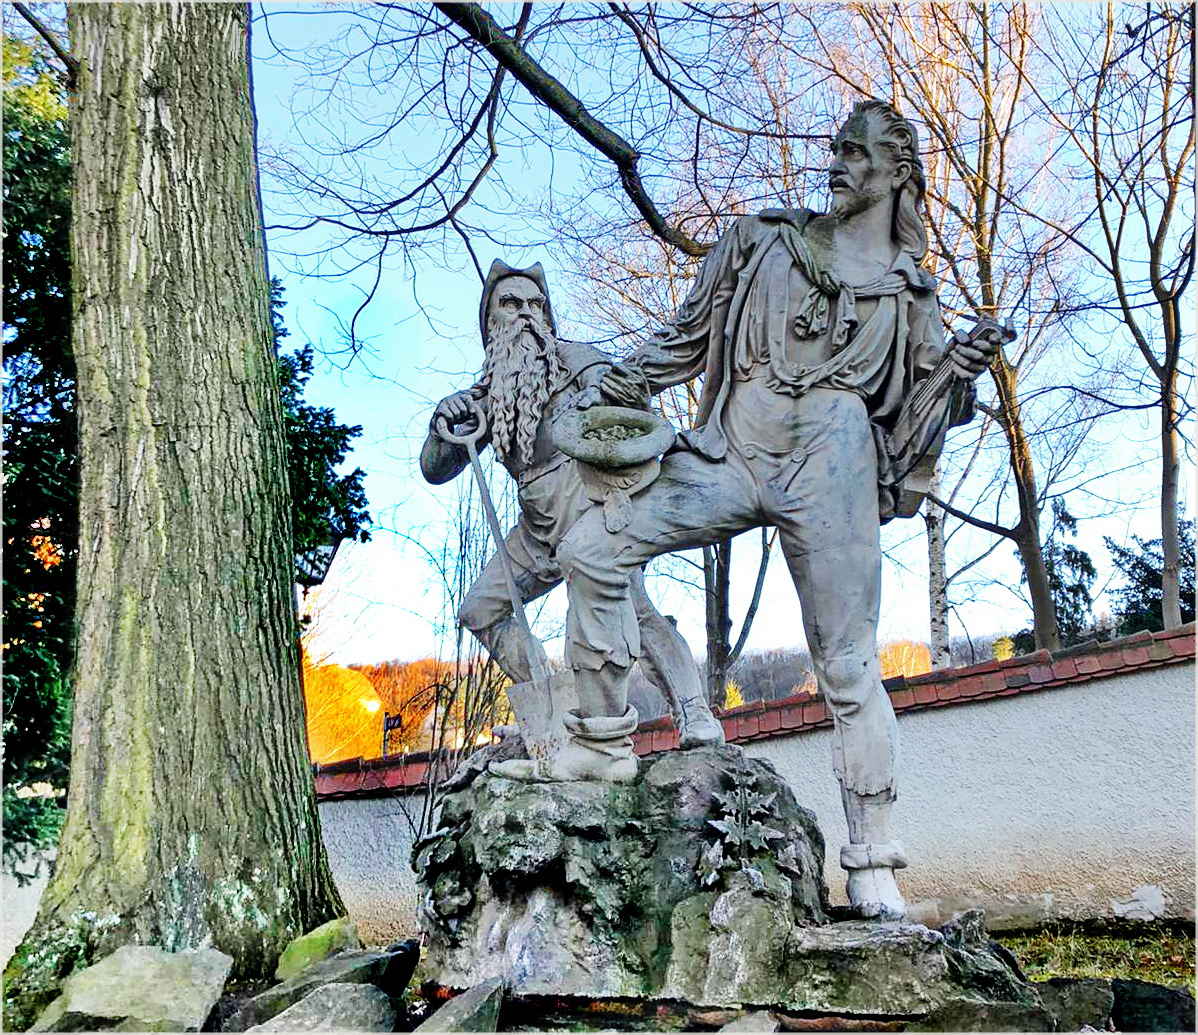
(530, 375)
(811, 330)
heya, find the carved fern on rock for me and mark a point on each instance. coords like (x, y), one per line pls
(743, 828)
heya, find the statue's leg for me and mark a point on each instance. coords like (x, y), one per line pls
(828, 531)
(692, 503)
(669, 665)
(487, 608)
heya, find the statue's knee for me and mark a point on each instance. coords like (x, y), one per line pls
(848, 679)
(476, 614)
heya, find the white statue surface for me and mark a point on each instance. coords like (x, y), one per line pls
(827, 389)
(529, 377)
(812, 331)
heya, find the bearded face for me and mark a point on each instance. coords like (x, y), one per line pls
(522, 368)
(862, 172)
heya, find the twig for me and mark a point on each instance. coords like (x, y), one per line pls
(72, 65)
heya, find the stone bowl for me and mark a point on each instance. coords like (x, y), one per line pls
(612, 437)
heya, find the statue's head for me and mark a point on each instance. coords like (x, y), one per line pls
(512, 297)
(876, 156)
(522, 367)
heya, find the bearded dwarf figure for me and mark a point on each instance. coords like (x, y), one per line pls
(812, 331)
(529, 375)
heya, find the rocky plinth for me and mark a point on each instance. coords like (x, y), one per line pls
(701, 883)
(579, 888)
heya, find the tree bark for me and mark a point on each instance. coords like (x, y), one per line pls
(192, 816)
(717, 579)
(1170, 538)
(937, 577)
(1026, 533)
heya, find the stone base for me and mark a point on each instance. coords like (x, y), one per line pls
(700, 883)
(573, 888)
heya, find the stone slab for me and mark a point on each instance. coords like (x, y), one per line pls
(336, 1007)
(347, 968)
(140, 988)
(474, 1010)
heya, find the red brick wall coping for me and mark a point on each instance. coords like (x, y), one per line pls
(1043, 670)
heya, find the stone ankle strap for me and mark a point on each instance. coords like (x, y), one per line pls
(872, 857)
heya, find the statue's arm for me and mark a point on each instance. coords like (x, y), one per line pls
(678, 351)
(442, 461)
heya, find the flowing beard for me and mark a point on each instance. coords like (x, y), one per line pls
(521, 371)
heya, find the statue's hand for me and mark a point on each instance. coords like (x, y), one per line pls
(626, 386)
(972, 351)
(454, 410)
(587, 398)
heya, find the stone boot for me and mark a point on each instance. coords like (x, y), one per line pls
(872, 857)
(600, 748)
(696, 725)
(871, 887)
(668, 664)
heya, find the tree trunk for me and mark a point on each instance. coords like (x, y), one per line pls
(717, 577)
(192, 817)
(1027, 532)
(937, 577)
(1170, 541)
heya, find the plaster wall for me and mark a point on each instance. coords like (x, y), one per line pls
(1073, 802)
(1067, 803)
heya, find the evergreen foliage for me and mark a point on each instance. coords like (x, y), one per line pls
(1138, 600)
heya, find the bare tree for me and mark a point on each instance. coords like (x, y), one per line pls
(1125, 100)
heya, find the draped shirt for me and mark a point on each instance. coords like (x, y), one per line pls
(766, 302)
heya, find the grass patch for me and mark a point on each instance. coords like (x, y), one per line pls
(1161, 953)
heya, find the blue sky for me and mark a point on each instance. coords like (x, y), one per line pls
(382, 599)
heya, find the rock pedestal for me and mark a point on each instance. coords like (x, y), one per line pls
(580, 888)
(702, 882)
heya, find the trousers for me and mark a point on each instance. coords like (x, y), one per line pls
(820, 492)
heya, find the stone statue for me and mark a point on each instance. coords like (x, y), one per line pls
(529, 376)
(812, 331)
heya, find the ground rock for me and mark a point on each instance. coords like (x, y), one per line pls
(757, 1020)
(140, 988)
(852, 967)
(336, 1007)
(345, 968)
(971, 1015)
(1144, 1006)
(1078, 1002)
(339, 935)
(474, 1010)
(591, 889)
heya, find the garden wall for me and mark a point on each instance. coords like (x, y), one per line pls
(1049, 786)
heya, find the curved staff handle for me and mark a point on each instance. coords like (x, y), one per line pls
(469, 439)
(466, 438)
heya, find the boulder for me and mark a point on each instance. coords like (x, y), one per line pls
(339, 935)
(474, 1010)
(1144, 1006)
(852, 967)
(140, 988)
(971, 1015)
(361, 968)
(573, 888)
(336, 1007)
(1078, 1002)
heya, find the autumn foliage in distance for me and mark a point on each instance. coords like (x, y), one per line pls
(346, 707)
